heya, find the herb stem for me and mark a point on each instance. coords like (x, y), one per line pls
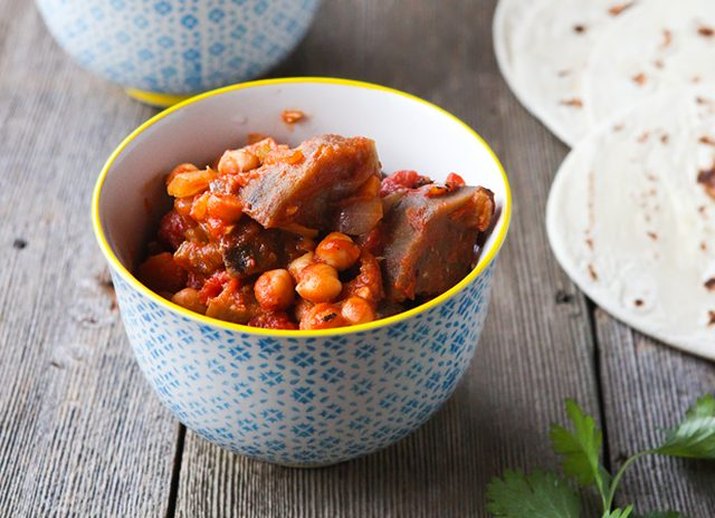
(605, 500)
(619, 475)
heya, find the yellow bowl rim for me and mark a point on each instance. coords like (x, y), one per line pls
(127, 276)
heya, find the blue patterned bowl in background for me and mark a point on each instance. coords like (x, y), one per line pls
(296, 397)
(163, 50)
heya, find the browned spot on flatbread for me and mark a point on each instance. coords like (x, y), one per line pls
(667, 38)
(695, 79)
(579, 29)
(617, 128)
(707, 179)
(658, 63)
(590, 209)
(710, 284)
(703, 246)
(573, 103)
(617, 9)
(711, 316)
(563, 73)
(706, 32)
(701, 100)
(638, 303)
(707, 140)
(664, 138)
(592, 273)
(639, 79)
(652, 235)
(643, 138)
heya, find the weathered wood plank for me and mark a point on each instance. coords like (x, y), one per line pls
(80, 432)
(535, 351)
(646, 388)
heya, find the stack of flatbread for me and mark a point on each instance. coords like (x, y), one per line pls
(630, 86)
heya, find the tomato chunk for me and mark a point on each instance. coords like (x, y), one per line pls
(161, 273)
(406, 179)
(273, 320)
(172, 229)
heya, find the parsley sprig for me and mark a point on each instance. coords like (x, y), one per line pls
(544, 494)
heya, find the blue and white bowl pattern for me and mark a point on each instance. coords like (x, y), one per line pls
(305, 401)
(178, 46)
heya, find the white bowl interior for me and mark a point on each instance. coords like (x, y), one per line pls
(409, 133)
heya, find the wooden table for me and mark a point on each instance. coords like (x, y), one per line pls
(81, 432)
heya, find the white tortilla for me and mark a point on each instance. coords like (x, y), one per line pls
(632, 226)
(542, 48)
(665, 44)
(508, 16)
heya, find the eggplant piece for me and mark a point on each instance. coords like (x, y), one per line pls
(305, 187)
(250, 249)
(358, 216)
(429, 241)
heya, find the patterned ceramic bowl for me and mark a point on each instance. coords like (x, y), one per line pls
(162, 50)
(296, 397)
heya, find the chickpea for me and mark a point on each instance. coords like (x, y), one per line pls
(484, 205)
(337, 250)
(190, 183)
(183, 205)
(301, 308)
(236, 161)
(319, 283)
(274, 290)
(357, 310)
(322, 316)
(225, 207)
(181, 168)
(297, 266)
(189, 298)
(199, 207)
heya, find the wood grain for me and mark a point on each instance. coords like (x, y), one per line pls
(534, 351)
(647, 388)
(80, 432)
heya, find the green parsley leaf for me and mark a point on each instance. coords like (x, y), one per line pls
(695, 436)
(580, 448)
(619, 513)
(538, 495)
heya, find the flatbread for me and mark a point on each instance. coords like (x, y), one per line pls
(665, 44)
(508, 16)
(630, 220)
(542, 48)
